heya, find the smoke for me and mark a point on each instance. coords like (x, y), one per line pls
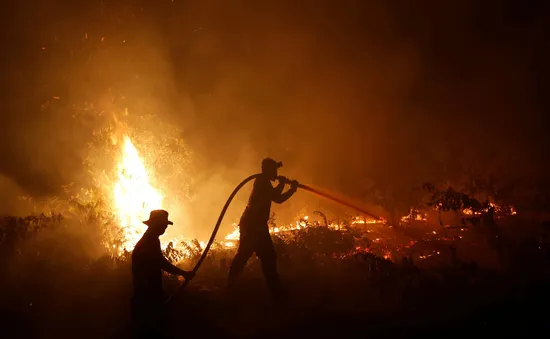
(343, 93)
(8, 202)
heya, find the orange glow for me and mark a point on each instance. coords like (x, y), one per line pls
(134, 197)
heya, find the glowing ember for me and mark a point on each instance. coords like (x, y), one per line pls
(414, 215)
(232, 238)
(499, 210)
(362, 220)
(134, 197)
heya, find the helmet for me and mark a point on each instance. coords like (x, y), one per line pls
(269, 163)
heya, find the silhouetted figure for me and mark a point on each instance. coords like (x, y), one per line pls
(454, 257)
(492, 229)
(254, 229)
(471, 267)
(410, 274)
(489, 217)
(148, 262)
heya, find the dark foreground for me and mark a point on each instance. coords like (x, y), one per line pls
(433, 304)
(453, 311)
(52, 287)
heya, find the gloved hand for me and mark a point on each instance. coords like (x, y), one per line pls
(283, 179)
(294, 184)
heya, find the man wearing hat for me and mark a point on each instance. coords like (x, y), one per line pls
(254, 230)
(148, 262)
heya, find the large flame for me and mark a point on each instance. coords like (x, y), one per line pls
(134, 197)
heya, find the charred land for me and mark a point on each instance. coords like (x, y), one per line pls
(430, 116)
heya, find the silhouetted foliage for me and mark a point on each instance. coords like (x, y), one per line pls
(451, 200)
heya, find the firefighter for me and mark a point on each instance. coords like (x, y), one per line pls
(148, 262)
(254, 229)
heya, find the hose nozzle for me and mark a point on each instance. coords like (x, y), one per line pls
(287, 180)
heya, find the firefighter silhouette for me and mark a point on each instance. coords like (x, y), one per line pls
(254, 229)
(148, 262)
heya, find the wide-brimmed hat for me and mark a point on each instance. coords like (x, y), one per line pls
(158, 217)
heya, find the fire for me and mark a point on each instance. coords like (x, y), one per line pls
(362, 220)
(232, 237)
(415, 215)
(302, 223)
(134, 197)
(499, 210)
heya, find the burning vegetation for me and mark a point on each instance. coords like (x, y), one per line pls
(125, 198)
(134, 196)
(435, 244)
(368, 108)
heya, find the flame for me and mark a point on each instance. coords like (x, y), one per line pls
(232, 238)
(134, 197)
(362, 221)
(499, 210)
(414, 214)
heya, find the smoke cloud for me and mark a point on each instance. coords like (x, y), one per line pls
(344, 93)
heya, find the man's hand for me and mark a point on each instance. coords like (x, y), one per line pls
(283, 180)
(293, 186)
(293, 183)
(188, 275)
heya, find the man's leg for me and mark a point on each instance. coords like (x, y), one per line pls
(266, 252)
(244, 253)
(146, 317)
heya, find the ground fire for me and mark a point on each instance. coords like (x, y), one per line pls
(415, 132)
(134, 196)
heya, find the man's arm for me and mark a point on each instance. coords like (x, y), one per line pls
(278, 196)
(278, 190)
(167, 266)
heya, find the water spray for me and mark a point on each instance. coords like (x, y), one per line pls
(226, 206)
(337, 200)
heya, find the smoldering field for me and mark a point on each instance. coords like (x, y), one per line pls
(367, 99)
(58, 280)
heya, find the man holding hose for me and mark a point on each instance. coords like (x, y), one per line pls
(148, 262)
(254, 230)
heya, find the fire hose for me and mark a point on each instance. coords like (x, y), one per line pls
(226, 206)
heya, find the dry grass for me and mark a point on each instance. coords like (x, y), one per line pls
(58, 282)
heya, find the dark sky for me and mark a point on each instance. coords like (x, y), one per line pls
(341, 91)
